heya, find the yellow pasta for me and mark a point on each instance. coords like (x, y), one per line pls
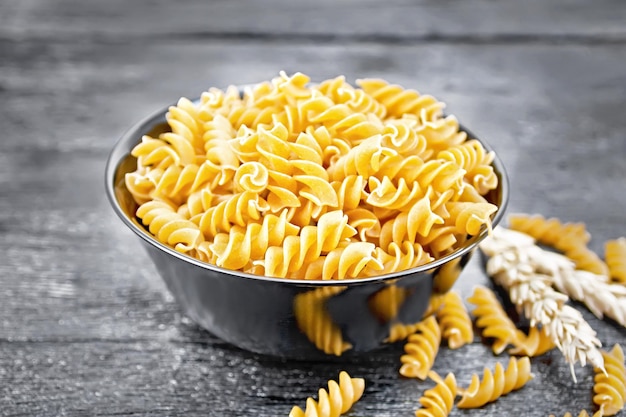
(455, 322)
(536, 343)
(421, 349)
(493, 320)
(399, 258)
(583, 413)
(476, 161)
(569, 238)
(241, 246)
(470, 217)
(399, 101)
(356, 99)
(170, 227)
(550, 232)
(403, 183)
(438, 401)
(610, 388)
(343, 262)
(316, 323)
(497, 384)
(240, 209)
(335, 401)
(587, 260)
(615, 256)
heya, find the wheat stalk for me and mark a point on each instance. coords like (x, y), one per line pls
(528, 272)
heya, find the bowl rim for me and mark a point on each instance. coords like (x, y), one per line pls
(136, 131)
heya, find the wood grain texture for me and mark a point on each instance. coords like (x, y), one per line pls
(86, 325)
(279, 20)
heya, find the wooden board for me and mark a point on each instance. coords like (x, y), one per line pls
(86, 325)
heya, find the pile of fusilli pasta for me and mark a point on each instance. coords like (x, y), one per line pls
(305, 181)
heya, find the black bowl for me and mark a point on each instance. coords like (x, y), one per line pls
(290, 318)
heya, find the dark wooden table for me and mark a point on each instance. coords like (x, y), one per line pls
(86, 325)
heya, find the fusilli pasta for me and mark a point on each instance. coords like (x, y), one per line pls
(610, 387)
(260, 173)
(496, 385)
(170, 227)
(536, 343)
(455, 322)
(421, 349)
(615, 256)
(337, 400)
(550, 232)
(438, 401)
(493, 320)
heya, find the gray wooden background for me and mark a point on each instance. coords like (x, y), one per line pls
(86, 325)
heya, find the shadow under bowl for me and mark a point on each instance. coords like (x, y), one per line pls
(296, 319)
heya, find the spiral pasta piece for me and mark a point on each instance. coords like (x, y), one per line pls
(442, 133)
(401, 135)
(438, 401)
(365, 222)
(169, 227)
(536, 343)
(185, 122)
(197, 203)
(216, 102)
(239, 210)
(363, 159)
(344, 262)
(440, 175)
(176, 184)
(493, 320)
(296, 251)
(610, 387)
(471, 217)
(217, 133)
(315, 322)
(158, 153)
(350, 191)
(251, 117)
(476, 161)
(243, 245)
(455, 322)
(550, 232)
(356, 99)
(386, 195)
(340, 119)
(615, 257)
(587, 260)
(399, 101)
(418, 220)
(441, 240)
(400, 257)
(421, 349)
(335, 401)
(493, 386)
